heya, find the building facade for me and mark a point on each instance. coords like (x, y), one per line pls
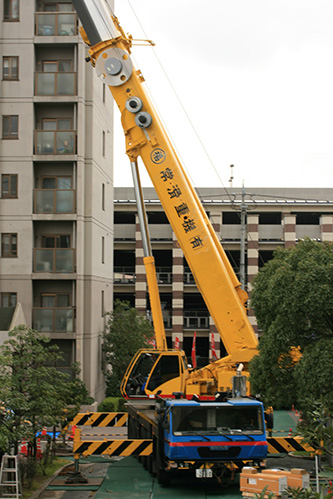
(275, 218)
(56, 204)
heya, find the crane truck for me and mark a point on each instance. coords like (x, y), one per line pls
(197, 419)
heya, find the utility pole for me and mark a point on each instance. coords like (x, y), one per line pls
(243, 239)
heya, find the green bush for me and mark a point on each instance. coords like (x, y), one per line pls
(112, 404)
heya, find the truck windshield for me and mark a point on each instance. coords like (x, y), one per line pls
(223, 420)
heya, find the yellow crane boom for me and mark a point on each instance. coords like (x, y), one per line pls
(145, 136)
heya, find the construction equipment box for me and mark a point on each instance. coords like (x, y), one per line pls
(296, 477)
(254, 482)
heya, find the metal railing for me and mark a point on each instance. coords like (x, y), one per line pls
(124, 275)
(196, 319)
(56, 24)
(54, 260)
(54, 201)
(55, 141)
(55, 319)
(164, 275)
(57, 83)
(188, 278)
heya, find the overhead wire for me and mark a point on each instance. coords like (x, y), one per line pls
(227, 193)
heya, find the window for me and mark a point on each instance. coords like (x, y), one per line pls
(102, 303)
(9, 245)
(56, 241)
(104, 93)
(57, 124)
(10, 127)
(10, 68)
(58, 7)
(103, 144)
(8, 186)
(103, 249)
(103, 197)
(11, 10)
(8, 299)
(52, 300)
(57, 183)
(57, 66)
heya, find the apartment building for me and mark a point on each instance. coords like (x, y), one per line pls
(275, 218)
(56, 205)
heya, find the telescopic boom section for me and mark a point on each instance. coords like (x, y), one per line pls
(146, 137)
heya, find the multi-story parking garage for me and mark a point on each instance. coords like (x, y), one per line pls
(275, 218)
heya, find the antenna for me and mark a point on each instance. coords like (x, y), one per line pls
(231, 175)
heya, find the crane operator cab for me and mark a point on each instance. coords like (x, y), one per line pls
(154, 370)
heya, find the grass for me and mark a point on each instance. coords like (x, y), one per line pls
(40, 477)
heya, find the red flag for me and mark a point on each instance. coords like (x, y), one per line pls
(152, 342)
(193, 354)
(177, 343)
(212, 347)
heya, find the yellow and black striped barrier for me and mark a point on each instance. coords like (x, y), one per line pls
(121, 447)
(102, 419)
(281, 445)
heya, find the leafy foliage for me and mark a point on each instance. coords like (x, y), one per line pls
(308, 493)
(126, 332)
(316, 426)
(33, 393)
(292, 300)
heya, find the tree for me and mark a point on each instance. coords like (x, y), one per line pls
(125, 333)
(292, 299)
(33, 393)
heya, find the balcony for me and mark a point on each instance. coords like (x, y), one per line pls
(196, 319)
(60, 260)
(54, 201)
(124, 275)
(54, 320)
(59, 83)
(55, 142)
(56, 24)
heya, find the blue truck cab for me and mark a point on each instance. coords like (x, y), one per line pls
(196, 433)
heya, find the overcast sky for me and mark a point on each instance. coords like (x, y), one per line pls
(255, 78)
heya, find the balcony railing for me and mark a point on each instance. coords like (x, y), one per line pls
(124, 275)
(55, 142)
(60, 83)
(54, 320)
(54, 201)
(196, 319)
(56, 24)
(164, 275)
(54, 260)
